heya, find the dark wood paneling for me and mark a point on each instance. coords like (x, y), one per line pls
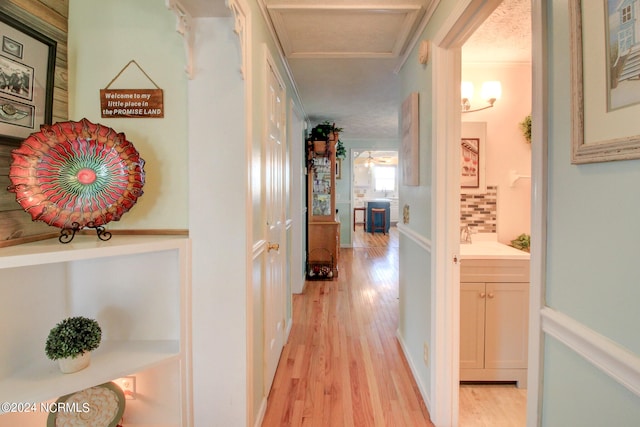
(50, 18)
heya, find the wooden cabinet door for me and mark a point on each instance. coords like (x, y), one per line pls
(506, 325)
(472, 328)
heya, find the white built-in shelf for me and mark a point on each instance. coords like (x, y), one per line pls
(113, 359)
(139, 286)
(85, 247)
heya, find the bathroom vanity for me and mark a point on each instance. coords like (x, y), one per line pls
(494, 312)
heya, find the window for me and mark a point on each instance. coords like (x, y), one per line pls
(626, 14)
(384, 178)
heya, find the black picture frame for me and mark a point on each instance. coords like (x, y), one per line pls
(26, 80)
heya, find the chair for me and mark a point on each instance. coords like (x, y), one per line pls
(377, 204)
(379, 225)
(364, 217)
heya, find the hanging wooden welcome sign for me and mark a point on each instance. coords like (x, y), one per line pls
(132, 103)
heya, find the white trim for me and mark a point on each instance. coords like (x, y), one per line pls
(283, 60)
(538, 209)
(253, 250)
(258, 248)
(445, 292)
(610, 357)
(418, 34)
(261, 412)
(465, 18)
(416, 237)
(414, 371)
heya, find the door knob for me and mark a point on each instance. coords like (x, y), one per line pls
(273, 246)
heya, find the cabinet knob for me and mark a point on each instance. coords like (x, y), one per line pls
(491, 295)
(482, 294)
(273, 246)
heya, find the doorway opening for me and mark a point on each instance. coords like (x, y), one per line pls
(374, 178)
(503, 154)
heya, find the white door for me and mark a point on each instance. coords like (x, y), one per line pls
(274, 179)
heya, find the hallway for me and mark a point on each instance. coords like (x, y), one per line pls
(342, 365)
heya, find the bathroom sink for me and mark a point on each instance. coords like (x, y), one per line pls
(490, 249)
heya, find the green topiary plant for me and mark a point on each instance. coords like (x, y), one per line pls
(522, 242)
(72, 337)
(525, 126)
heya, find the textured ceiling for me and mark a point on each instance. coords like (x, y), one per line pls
(328, 31)
(504, 37)
(343, 53)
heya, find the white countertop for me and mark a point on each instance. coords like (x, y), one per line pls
(486, 246)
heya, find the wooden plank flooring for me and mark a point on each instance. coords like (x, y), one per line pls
(342, 364)
(492, 405)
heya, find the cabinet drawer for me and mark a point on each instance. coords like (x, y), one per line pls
(494, 270)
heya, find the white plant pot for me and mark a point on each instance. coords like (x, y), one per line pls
(69, 365)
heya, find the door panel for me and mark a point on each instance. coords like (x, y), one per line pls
(472, 312)
(507, 325)
(274, 179)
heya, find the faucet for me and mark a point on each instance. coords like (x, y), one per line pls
(465, 234)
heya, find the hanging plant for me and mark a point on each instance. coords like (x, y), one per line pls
(525, 126)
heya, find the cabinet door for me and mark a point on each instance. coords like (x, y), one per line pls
(472, 315)
(507, 325)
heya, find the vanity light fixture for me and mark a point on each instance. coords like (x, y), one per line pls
(490, 92)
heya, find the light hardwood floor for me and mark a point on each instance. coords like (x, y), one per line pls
(492, 405)
(343, 366)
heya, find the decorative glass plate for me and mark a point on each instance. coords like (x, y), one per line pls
(74, 175)
(99, 406)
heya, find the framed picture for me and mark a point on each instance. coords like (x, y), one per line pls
(470, 163)
(27, 70)
(338, 168)
(605, 88)
(472, 157)
(409, 159)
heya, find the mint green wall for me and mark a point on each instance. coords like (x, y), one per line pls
(576, 394)
(103, 37)
(344, 185)
(415, 322)
(592, 249)
(414, 261)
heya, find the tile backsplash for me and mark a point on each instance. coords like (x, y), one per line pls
(479, 211)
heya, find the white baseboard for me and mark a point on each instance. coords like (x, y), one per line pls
(414, 372)
(261, 412)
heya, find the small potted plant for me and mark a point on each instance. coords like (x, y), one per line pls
(322, 133)
(71, 341)
(522, 242)
(525, 127)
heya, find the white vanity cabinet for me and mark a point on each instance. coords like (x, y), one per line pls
(494, 316)
(136, 287)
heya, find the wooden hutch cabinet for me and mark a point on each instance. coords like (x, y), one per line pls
(323, 242)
